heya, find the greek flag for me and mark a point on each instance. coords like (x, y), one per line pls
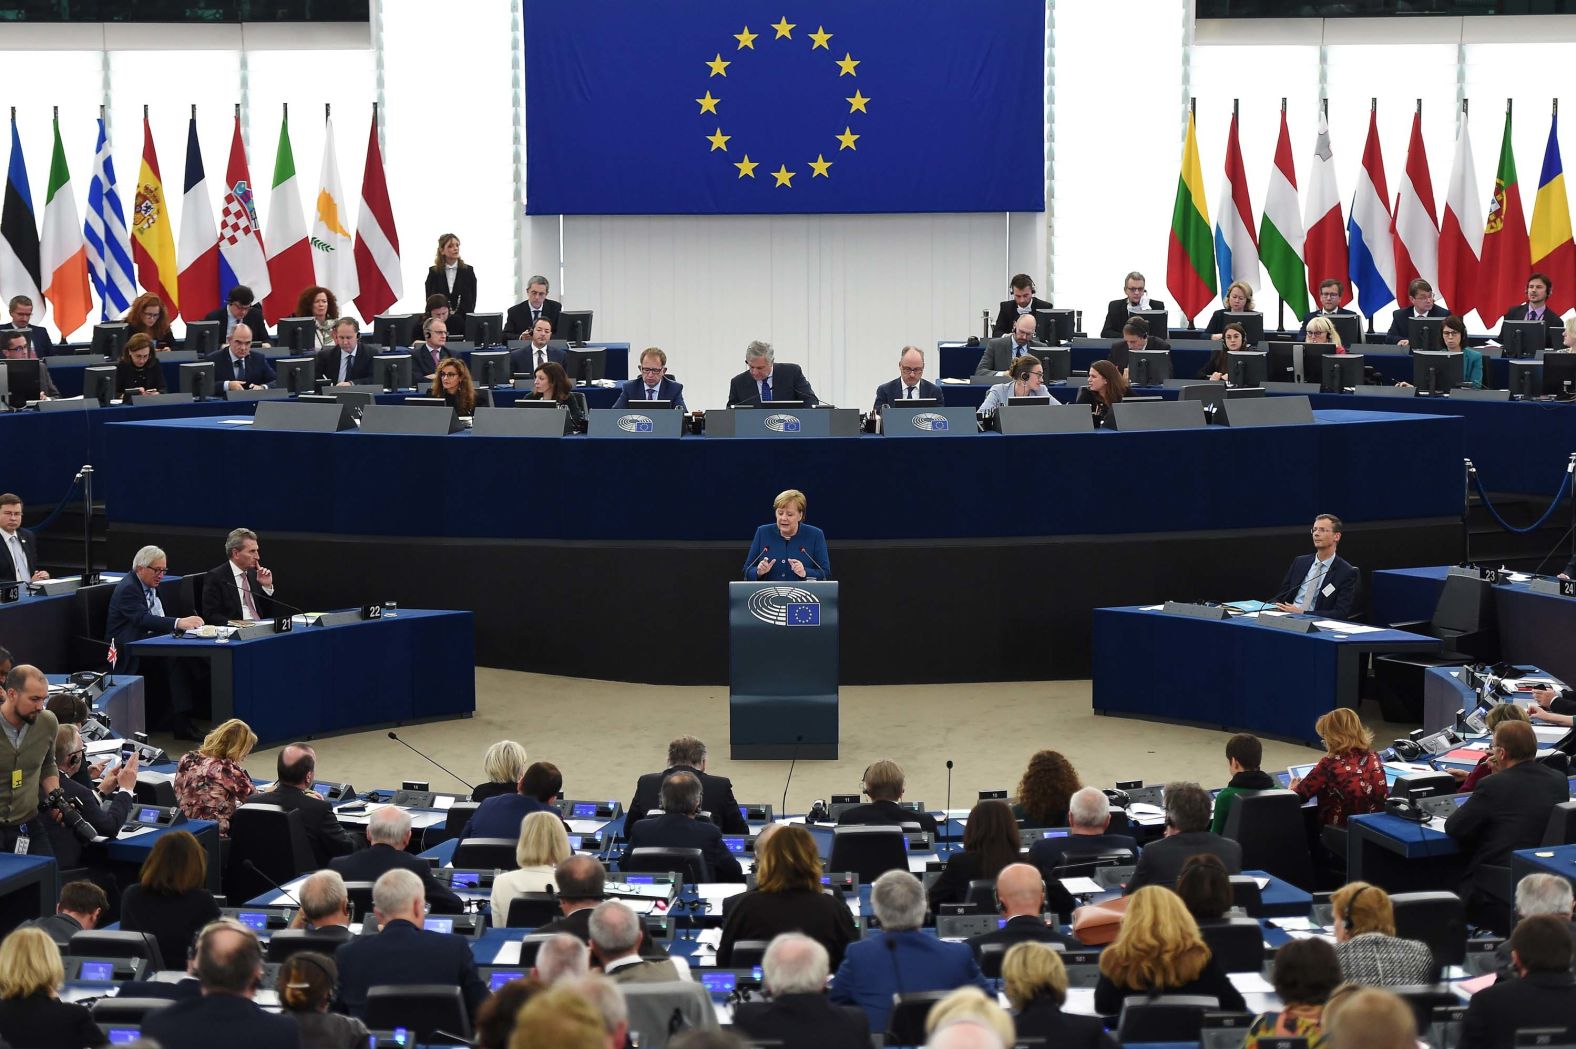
(109, 250)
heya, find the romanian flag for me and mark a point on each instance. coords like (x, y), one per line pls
(1505, 262)
(152, 232)
(1550, 239)
(63, 251)
(1190, 259)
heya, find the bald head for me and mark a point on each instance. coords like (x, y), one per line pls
(389, 826)
(1020, 890)
(297, 765)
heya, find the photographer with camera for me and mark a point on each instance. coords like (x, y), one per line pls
(85, 813)
(27, 761)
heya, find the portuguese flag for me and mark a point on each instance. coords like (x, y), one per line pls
(1190, 259)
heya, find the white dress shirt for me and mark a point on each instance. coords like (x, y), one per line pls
(241, 585)
(13, 545)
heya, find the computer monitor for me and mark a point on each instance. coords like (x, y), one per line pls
(197, 378)
(392, 371)
(395, 329)
(22, 382)
(1252, 324)
(1523, 339)
(296, 374)
(98, 383)
(1349, 326)
(1339, 372)
(1054, 327)
(484, 329)
(1425, 333)
(1525, 379)
(1559, 374)
(1246, 367)
(109, 339)
(1159, 325)
(1280, 361)
(1436, 372)
(585, 365)
(1058, 362)
(574, 325)
(1148, 367)
(296, 334)
(491, 367)
(204, 337)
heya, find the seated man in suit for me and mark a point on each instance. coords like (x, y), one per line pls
(388, 836)
(241, 588)
(500, 816)
(325, 905)
(15, 346)
(910, 382)
(1536, 894)
(616, 936)
(883, 782)
(296, 770)
(1135, 336)
(433, 347)
(902, 957)
(653, 384)
(1330, 291)
(1543, 996)
(1537, 308)
(1020, 896)
(81, 906)
(136, 611)
(228, 962)
(678, 828)
(347, 362)
(403, 952)
(20, 563)
(1116, 314)
(105, 808)
(766, 380)
(798, 1014)
(688, 754)
(1187, 834)
(1322, 581)
(538, 349)
(1000, 353)
(240, 307)
(21, 308)
(1088, 820)
(236, 367)
(1422, 295)
(522, 316)
(1022, 304)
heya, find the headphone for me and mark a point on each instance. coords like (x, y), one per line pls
(1045, 894)
(305, 958)
(1346, 919)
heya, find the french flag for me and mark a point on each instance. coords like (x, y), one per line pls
(197, 251)
(1370, 248)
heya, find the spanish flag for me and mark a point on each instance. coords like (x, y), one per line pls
(1550, 237)
(152, 233)
(1190, 258)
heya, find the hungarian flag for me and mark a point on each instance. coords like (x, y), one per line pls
(152, 233)
(1236, 248)
(1507, 257)
(1280, 230)
(63, 252)
(290, 262)
(377, 241)
(1190, 255)
(1370, 251)
(241, 256)
(1416, 228)
(1324, 247)
(199, 244)
(18, 230)
(1461, 230)
(1550, 241)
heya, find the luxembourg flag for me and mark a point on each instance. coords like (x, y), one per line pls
(1369, 247)
(241, 256)
(1236, 247)
(197, 251)
(1416, 229)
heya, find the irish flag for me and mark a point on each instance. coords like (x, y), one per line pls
(63, 253)
(1280, 230)
(289, 256)
(1190, 257)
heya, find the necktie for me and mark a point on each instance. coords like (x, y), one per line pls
(247, 599)
(1533, 315)
(541, 358)
(1310, 589)
(909, 395)
(536, 315)
(344, 367)
(651, 393)
(766, 390)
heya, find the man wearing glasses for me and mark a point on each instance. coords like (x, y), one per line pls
(136, 612)
(1000, 353)
(653, 384)
(1320, 582)
(910, 383)
(1137, 298)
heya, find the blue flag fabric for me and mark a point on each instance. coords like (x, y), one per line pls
(669, 107)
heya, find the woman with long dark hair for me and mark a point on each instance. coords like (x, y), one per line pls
(990, 842)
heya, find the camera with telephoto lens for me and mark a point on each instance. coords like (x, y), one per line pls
(56, 801)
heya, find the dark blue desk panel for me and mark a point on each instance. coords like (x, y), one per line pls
(123, 702)
(319, 680)
(958, 361)
(1559, 860)
(1400, 856)
(1232, 674)
(129, 854)
(861, 487)
(27, 889)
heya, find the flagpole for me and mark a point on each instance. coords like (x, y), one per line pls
(1280, 311)
(1373, 111)
(1192, 112)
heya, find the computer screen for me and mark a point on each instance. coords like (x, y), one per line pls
(1247, 367)
(98, 383)
(296, 374)
(1525, 378)
(296, 334)
(1436, 372)
(110, 338)
(1148, 367)
(1349, 327)
(490, 367)
(204, 337)
(197, 378)
(395, 329)
(1522, 339)
(484, 329)
(1058, 362)
(22, 382)
(1252, 323)
(1339, 372)
(392, 371)
(585, 365)
(574, 325)
(1559, 374)
(1425, 333)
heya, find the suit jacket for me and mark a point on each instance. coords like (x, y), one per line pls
(787, 383)
(423, 361)
(38, 338)
(130, 620)
(256, 370)
(221, 600)
(328, 360)
(500, 817)
(998, 355)
(1161, 861)
(1116, 316)
(1539, 999)
(1025, 928)
(634, 391)
(523, 360)
(462, 299)
(578, 924)
(61, 927)
(674, 830)
(953, 884)
(1506, 811)
(760, 915)
(517, 322)
(29, 552)
(1043, 1018)
(253, 320)
(1050, 853)
(1118, 353)
(804, 1021)
(372, 863)
(1339, 311)
(1551, 321)
(808, 547)
(1008, 314)
(192, 1023)
(716, 797)
(402, 954)
(1398, 320)
(872, 971)
(647, 970)
(1341, 575)
(106, 819)
(323, 831)
(885, 814)
(40, 1021)
(892, 392)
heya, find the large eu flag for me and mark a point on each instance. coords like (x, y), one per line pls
(679, 107)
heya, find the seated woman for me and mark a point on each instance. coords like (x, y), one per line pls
(452, 382)
(138, 371)
(1305, 973)
(171, 898)
(210, 782)
(319, 304)
(1486, 765)
(1106, 387)
(1159, 951)
(1366, 944)
(990, 842)
(1217, 368)
(1026, 379)
(306, 984)
(1349, 780)
(147, 315)
(1567, 337)
(1035, 983)
(1045, 789)
(552, 384)
(31, 1012)
(1322, 331)
(1238, 299)
(504, 764)
(788, 897)
(1454, 335)
(1205, 888)
(543, 845)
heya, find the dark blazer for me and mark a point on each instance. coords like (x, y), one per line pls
(192, 1024)
(174, 921)
(1551, 321)
(256, 371)
(1008, 314)
(402, 954)
(716, 797)
(952, 886)
(892, 393)
(674, 830)
(1398, 320)
(762, 915)
(576, 405)
(1050, 853)
(423, 361)
(500, 817)
(523, 360)
(634, 391)
(578, 924)
(130, 620)
(998, 355)
(180, 990)
(221, 601)
(462, 299)
(253, 320)
(885, 814)
(1212, 981)
(483, 791)
(517, 323)
(1161, 861)
(323, 832)
(360, 367)
(1506, 811)
(61, 927)
(1025, 928)
(42, 1022)
(1339, 311)
(872, 971)
(370, 864)
(1116, 316)
(1043, 1018)
(1342, 576)
(804, 1021)
(38, 338)
(808, 547)
(29, 552)
(787, 383)
(1538, 999)
(1118, 353)
(149, 377)
(105, 819)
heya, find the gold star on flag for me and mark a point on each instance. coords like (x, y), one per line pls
(718, 141)
(783, 176)
(847, 138)
(709, 104)
(746, 39)
(820, 167)
(846, 64)
(820, 36)
(718, 66)
(855, 105)
(746, 166)
(784, 28)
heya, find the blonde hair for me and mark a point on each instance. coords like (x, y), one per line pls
(1031, 970)
(883, 780)
(1503, 712)
(1370, 1018)
(1363, 908)
(505, 762)
(791, 495)
(1247, 291)
(1159, 945)
(970, 1003)
(1327, 326)
(233, 740)
(1342, 731)
(558, 1018)
(29, 963)
(543, 841)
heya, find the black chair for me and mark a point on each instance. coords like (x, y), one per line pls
(531, 944)
(360, 893)
(285, 942)
(460, 814)
(273, 840)
(532, 909)
(1557, 760)
(689, 864)
(1166, 1018)
(906, 1021)
(1246, 895)
(1562, 825)
(420, 1007)
(1268, 825)
(1438, 919)
(991, 955)
(1464, 620)
(868, 850)
(1425, 998)
(749, 953)
(1236, 943)
(982, 893)
(119, 1011)
(486, 854)
(116, 943)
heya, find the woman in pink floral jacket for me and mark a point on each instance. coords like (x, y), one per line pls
(210, 783)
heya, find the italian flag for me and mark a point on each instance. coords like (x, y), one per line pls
(63, 253)
(289, 255)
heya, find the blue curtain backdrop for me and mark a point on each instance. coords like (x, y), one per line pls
(678, 107)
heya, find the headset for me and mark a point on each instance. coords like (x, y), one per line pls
(305, 957)
(1346, 919)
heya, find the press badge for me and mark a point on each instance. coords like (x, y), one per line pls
(16, 779)
(1329, 588)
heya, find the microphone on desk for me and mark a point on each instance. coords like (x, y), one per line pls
(946, 812)
(814, 562)
(783, 809)
(424, 757)
(255, 869)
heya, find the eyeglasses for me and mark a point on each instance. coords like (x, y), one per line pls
(651, 371)
(155, 571)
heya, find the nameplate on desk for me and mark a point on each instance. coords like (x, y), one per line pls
(1267, 411)
(56, 587)
(1049, 418)
(354, 615)
(10, 592)
(420, 420)
(142, 400)
(264, 628)
(1194, 610)
(899, 421)
(1290, 624)
(634, 422)
(518, 422)
(769, 422)
(1556, 587)
(68, 404)
(303, 416)
(1157, 415)
(1385, 391)
(1468, 394)
(256, 395)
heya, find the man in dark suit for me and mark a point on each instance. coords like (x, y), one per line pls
(229, 965)
(883, 782)
(403, 952)
(1505, 812)
(582, 884)
(1020, 896)
(81, 906)
(1421, 294)
(19, 560)
(1116, 313)
(522, 316)
(325, 905)
(433, 348)
(241, 588)
(1022, 304)
(1134, 336)
(500, 816)
(910, 382)
(1544, 996)
(388, 836)
(1330, 291)
(136, 610)
(241, 308)
(1000, 353)
(22, 319)
(653, 384)
(1088, 820)
(766, 380)
(688, 754)
(236, 367)
(799, 1015)
(105, 809)
(677, 828)
(1187, 834)
(1321, 582)
(347, 361)
(539, 349)
(296, 769)
(1537, 308)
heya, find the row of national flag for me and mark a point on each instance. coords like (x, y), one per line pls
(1475, 257)
(116, 250)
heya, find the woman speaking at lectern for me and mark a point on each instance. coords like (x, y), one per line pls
(789, 550)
